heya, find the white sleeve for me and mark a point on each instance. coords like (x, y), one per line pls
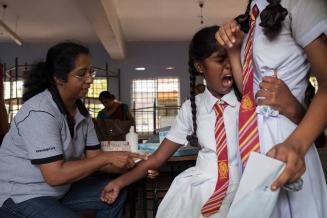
(308, 19)
(182, 125)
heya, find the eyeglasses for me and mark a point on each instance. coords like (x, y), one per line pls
(85, 73)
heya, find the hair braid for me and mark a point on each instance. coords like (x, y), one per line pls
(271, 18)
(244, 19)
(193, 139)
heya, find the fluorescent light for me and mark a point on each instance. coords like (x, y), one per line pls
(139, 68)
(11, 33)
(170, 68)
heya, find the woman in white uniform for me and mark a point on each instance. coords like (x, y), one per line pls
(290, 39)
(196, 122)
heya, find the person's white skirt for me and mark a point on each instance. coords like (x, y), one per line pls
(192, 188)
(311, 201)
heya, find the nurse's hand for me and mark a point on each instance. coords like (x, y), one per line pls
(124, 159)
(230, 35)
(276, 94)
(294, 159)
(110, 193)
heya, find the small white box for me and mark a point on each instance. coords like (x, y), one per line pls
(115, 146)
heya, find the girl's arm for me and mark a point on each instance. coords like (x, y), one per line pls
(64, 172)
(273, 91)
(234, 56)
(166, 149)
(231, 37)
(293, 149)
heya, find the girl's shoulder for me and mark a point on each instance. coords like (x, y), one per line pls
(198, 99)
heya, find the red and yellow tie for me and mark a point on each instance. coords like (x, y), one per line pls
(248, 128)
(216, 199)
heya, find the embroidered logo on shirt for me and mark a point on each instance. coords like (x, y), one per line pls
(223, 169)
(247, 103)
(45, 149)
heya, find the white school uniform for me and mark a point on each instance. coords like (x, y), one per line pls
(193, 187)
(306, 20)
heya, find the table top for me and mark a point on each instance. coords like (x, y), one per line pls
(182, 158)
(181, 152)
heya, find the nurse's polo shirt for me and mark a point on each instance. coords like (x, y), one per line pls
(40, 133)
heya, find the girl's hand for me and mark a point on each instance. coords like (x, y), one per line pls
(152, 174)
(229, 35)
(110, 193)
(294, 159)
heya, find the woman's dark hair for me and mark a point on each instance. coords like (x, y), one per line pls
(106, 95)
(59, 62)
(202, 45)
(271, 18)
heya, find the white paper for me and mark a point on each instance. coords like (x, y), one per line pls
(254, 196)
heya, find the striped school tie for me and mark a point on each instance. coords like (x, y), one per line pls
(216, 199)
(248, 128)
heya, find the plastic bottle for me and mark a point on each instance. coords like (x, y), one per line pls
(132, 139)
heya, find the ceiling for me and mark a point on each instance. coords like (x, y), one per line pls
(112, 22)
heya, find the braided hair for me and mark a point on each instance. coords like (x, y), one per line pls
(193, 139)
(202, 45)
(271, 18)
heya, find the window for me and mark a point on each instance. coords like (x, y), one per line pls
(13, 92)
(91, 101)
(155, 101)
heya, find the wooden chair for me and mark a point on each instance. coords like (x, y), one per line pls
(111, 130)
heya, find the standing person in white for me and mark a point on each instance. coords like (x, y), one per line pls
(196, 123)
(290, 39)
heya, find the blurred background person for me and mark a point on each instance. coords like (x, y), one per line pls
(113, 109)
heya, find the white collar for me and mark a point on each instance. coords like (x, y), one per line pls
(209, 100)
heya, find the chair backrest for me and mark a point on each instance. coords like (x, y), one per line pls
(111, 130)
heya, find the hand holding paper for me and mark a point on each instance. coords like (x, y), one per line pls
(254, 195)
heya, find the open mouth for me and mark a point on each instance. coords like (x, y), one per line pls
(228, 77)
(228, 80)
